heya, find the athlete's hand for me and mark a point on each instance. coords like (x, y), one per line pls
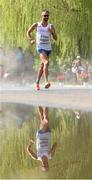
(31, 141)
(50, 30)
(55, 145)
(32, 41)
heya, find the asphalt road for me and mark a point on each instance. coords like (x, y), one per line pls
(65, 97)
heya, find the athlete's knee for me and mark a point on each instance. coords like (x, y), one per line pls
(46, 62)
(41, 66)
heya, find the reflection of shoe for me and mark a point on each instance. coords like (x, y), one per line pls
(37, 88)
(47, 85)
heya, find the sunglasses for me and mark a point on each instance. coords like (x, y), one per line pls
(46, 15)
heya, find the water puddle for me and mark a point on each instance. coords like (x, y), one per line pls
(44, 143)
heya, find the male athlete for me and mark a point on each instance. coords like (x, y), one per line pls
(44, 31)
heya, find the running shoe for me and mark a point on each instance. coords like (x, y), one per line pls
(37, 87)
(47, 85)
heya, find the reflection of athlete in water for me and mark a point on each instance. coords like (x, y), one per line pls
(44, 150)
(44, 30)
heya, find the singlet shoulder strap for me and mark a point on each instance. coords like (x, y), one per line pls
(39, 23)
(50, 25)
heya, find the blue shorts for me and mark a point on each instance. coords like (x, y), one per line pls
(48, 52)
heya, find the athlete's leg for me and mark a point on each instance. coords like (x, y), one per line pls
(45, 113)
(40, 110)
(44, 59)
(43, 118)
(40, 72)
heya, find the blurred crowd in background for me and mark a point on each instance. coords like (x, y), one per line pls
(80, 73)
(18, 66)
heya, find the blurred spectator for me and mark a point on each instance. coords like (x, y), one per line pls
(61, 78)
(76, 69)
(85, 74)
(20, 58)
(2, 58)
(90, 72)
(74, 73)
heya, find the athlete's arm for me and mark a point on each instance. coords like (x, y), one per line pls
(30, 151)
(30, 30)
(53, 149)
(53, 32)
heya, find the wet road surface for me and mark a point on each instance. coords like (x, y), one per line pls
(66, 97)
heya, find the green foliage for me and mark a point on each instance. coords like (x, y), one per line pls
(72, 20)
(73, 154)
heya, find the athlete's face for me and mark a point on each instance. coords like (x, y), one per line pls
(45, 16)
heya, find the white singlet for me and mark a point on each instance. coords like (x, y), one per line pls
(43, 144)
(43, 37)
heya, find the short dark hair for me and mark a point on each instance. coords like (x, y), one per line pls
(45, 10)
